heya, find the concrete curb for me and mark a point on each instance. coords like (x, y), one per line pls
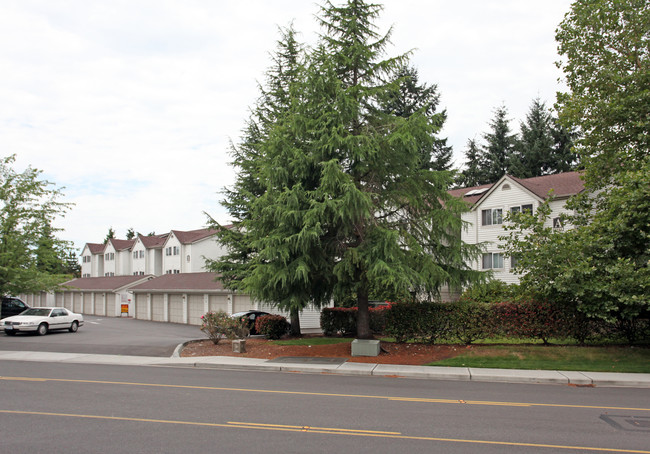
(600, 379)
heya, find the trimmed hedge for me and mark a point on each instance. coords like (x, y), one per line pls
(467, 321)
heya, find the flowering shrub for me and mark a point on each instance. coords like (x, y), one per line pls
(271, 326)
(219, 324)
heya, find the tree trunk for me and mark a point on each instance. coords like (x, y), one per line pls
(295, 322)
(363, 316)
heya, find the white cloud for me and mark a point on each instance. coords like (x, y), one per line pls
(131, 104)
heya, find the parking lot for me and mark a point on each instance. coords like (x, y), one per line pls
(108, 335)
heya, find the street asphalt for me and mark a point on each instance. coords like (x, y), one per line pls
(339, 367)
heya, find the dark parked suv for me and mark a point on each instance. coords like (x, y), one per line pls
(12, 306)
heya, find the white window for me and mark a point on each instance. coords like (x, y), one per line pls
(492, 216)
(177, 271)
(135, 254)
(168, 251)
(514, 260)
(492, 261)
(141, 254)
(528, 208)
(177, 250)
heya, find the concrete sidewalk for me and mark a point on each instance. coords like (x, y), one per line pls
(313, 366)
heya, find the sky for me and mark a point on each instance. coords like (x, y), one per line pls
(130, 106)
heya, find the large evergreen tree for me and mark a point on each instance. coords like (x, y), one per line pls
(348, 202)
(268, 255)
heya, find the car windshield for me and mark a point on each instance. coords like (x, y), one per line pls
(39, 312)
(239, 314)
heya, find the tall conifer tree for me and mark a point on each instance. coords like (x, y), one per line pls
(499, 147)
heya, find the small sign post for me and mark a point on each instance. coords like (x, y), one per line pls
(125, 310)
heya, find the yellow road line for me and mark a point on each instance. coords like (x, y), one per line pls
(326, 431)
(304, 393)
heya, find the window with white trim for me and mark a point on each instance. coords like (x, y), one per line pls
(492, 216)
(492, 260)
(528, 208)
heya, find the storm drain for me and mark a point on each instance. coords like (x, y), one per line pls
(628, 423)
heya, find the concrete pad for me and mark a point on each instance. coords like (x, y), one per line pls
(233, 362)
(355, 368)
(619, 379)
(517, 376)
(576, 378)
(438, 373)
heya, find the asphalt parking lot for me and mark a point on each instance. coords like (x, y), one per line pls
(110, 336)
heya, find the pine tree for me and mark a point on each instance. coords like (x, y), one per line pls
(541, 148)
(474, 173)
(499, 147)
(408, 97)
(265, 160)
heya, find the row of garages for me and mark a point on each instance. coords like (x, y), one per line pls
(180, 298)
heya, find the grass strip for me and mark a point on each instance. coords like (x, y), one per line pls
(533, 357)
(313, 341)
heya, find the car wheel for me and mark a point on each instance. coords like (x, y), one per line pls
(74, 327)
(42, 329)
(10, 333)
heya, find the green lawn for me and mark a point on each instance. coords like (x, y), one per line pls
(588, 359)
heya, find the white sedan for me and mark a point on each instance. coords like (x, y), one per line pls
(42, 320)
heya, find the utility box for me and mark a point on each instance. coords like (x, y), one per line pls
(239, 346)
(365, 347)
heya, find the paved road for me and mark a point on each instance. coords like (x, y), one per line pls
(123, 409)
(108, 335)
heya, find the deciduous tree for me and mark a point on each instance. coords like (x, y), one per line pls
(30, 255)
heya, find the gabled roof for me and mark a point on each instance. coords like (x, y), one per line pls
(181, 282)
(96, 248)
(122, 245)
(153, 241)
(563, 185)
(471, 198)
(192, 236)
(108, 284)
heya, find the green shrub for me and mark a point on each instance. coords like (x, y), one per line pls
(219, 324)
(338, 320)
(491, 292)
(472, 321)
(530, 319)
(420, 322)
(272, 326)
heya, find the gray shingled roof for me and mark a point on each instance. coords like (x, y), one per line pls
(563, 185)
(104, 283)
(180, 282)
